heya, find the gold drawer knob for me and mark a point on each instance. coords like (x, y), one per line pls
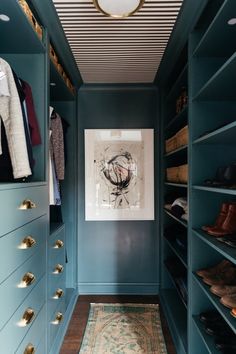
(58, 269)
(27, 204)
(58, 318)
(58, 244)
(30, 349)
(58, 294)
(27, 317)
(27, 242)
(27, 280)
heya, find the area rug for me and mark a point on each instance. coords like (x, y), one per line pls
(123, 329)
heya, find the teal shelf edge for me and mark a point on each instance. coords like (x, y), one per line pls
(55, 226)
(220, 85)
(220, 247)
(176, 316)
(182, 222)
(178, 251)
(224, 135)
(176, 151)
(176, 184)
(177, 82)
(224, 311)
(179, 120)
(4, 186)
(216, 190)
(177, 290)
(206, 338)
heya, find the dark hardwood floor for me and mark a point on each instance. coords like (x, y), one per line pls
(74, 335)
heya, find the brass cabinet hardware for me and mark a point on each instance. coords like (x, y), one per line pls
(27, 317)
(27, 204)
(58, 244)
(27, 242)
(58, 294)
(58, 318)
(30, 349)
(27, 280)
(58, 269)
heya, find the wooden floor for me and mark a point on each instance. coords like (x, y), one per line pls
(74, 335)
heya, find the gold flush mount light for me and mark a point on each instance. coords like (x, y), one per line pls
(118, 8)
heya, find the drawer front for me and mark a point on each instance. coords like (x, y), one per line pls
(56, 245)
(58, 259)
(56, 295)
(19, 245)
(35, 334)
(42, 348)
(14, 211)
(14, 291)
(15, 330)
(55, 323)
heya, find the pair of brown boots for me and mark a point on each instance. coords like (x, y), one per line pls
(222, 279)
(225, 223)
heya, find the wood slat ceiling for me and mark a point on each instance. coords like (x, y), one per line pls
(109, 50)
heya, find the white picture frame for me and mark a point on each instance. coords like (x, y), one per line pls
(119, 174)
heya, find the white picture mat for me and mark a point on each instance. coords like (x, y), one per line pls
(96, 139)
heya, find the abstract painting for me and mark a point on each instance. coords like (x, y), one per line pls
(119, 174)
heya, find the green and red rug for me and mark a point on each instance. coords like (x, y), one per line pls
(123, 329)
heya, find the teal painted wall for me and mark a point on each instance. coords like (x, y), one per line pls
(116, 256)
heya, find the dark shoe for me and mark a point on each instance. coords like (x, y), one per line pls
(222, 290)
(218, 268)
(226, 347)
(229, 225)
(229, 301)
(216, 329)
(210, 316)
(229, 240)
(220, 218)
(226, 278)
(221, 341)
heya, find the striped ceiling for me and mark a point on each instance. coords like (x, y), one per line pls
(109, 50)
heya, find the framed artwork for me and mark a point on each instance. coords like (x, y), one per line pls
(119, 174)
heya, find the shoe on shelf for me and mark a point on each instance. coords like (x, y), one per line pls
(222, 290)
(229, 301)
(225, 176)
(218, 268)
(221, 341)
(218, 329)
(229, 225)
(220, 218)
(225, 347)
(210, 316)
(229, 240)
(227, 277)
(233, 313)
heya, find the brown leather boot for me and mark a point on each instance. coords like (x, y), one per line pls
(229, 225)
(222, 290)
(227, 277)
(229, 300)
(220, 218)
(216, 269)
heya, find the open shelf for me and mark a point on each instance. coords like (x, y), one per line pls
(182, 222)
(176, 316)
(216, 42)
(222, 135)
(181, 150)
(176, 287)
(178, 251)
(55, 226)
(207, 339)
(224, 311)
(216, 190)
(180, 81)
(176, 184)
(222, 248)
(17, 35)
(221, 85)
(178, 122)
(59, 90)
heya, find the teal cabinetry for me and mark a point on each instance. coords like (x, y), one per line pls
(210, 74)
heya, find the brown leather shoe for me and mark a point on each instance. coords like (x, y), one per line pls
(229, 225)
(233, 312)
(218, 268)
(229, 301)
(222, 290)
(220, 218)
(228, 277)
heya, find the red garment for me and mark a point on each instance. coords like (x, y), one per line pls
(31, 114)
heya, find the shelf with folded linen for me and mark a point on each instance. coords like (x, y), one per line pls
(178, 275)
(176, 315)
(206, 338)
(175, 237)
(219, 246)
(215, 300)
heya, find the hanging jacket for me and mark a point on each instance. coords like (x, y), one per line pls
(11, 115)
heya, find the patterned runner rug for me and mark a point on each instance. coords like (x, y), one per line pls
(123, 329)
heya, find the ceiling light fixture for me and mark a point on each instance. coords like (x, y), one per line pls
(118, 9)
